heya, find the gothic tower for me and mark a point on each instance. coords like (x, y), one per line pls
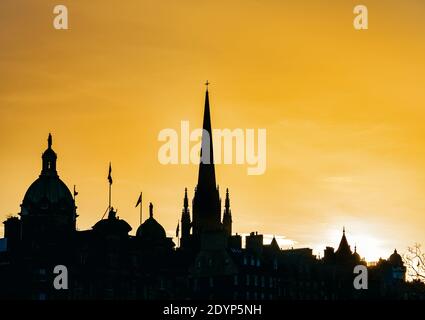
(185, 220)
(227, 215)
(206, 201)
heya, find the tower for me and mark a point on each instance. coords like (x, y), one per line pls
(206, 201)
(227, 215)
(185, 219)
(48, 208)
(344, 249)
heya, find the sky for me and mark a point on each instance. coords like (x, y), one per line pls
(343, 110)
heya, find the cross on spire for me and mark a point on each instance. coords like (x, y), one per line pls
(207, 84)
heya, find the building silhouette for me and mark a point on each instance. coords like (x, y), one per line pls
(106, 262)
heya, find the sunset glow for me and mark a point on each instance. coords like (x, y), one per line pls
(343, 111)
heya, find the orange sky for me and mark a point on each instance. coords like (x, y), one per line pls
(343, 110)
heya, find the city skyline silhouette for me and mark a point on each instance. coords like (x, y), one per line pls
(105, 262)
(337, 110)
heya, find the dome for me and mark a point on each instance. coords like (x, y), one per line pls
(112, 225)
(48, 194)
(395, 259)
(356, 256)
(151, 230)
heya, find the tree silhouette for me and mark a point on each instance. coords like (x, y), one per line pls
(415, 262)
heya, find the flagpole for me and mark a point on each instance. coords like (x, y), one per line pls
(110, 186)
(141, 206)
(178, 233)
(109, 206)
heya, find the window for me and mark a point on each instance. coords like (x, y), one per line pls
(252, 261)
(211, 282)
(255, 280)
(247, 279)
(244, 261)
(235, 280)
(262, 281)
(258, 262)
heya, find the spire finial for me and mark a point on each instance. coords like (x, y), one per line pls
(343, 230)
(207, 84)
(227, 201)
(49, 141)
(49, 159)
(150, 210)
(185, 200)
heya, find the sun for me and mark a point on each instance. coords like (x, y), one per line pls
(369, 248)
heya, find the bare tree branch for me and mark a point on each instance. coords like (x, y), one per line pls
(414, 260)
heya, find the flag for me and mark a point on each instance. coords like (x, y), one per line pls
(109, 175)
(139, 201)
(177, 230)
(75, 192)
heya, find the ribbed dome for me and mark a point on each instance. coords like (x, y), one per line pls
(151, 230)
(47, 192)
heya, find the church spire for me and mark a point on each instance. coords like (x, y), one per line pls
(206, 177)
(206, 202)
